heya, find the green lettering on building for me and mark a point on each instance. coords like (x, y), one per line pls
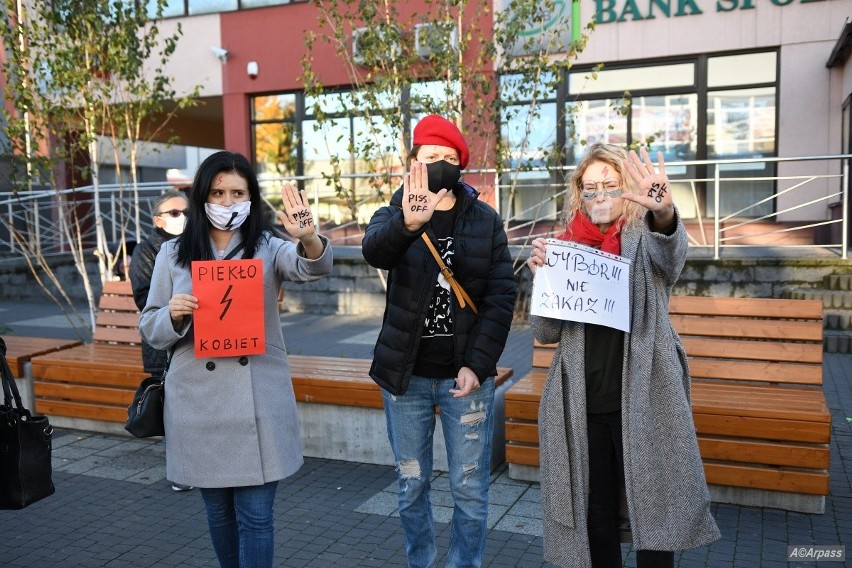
(607, 11)
(663, 5)
(682, 6)
(630, 8)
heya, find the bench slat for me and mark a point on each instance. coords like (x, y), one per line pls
(764, 371)
(521, 410)
(524, 432)
(129, 320)
(753, 350)
(747, 307)
(119, 287)
(764, 452)
(118, 304)
(795, 404)
(117, 335)
(524, 454)
(747, 328)
(774, 479)
(768, 428)
(81, 410)
(82, 393)
(317, 393)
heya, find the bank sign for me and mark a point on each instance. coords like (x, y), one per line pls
(612, 11)
(555, 31)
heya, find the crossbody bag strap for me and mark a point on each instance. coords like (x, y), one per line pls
(461, 295)
(234, 252)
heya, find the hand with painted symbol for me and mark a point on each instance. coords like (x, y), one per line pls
(418, 202)
(296, 217)
(654, 190)
(299, 221)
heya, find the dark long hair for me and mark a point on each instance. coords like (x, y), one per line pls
(194, 242)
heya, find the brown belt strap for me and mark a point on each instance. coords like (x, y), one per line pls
(461, 295)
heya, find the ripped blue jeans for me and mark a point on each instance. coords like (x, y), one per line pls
(467, 424)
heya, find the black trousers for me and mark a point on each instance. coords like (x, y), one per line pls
(606, 477)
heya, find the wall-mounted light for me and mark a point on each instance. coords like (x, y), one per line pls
(252, 69)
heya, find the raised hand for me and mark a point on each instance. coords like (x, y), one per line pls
(654, 188)
(296, 217)
(418, 203)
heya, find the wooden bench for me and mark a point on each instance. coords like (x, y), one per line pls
(92, 384)
(21, 349)
(761, 416)
(340, 406)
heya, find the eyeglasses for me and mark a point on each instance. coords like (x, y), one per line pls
(608, 187)
(172, 213)
(612, 193)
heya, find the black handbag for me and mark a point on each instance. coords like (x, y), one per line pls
(145, 413)
(26, 443)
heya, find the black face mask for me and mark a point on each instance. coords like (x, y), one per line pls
(443, 175)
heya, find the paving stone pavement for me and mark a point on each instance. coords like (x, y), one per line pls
(113, 507)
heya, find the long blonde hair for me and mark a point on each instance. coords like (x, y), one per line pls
(614, 156)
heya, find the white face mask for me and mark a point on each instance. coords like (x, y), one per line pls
(174, 225)
(227, 218)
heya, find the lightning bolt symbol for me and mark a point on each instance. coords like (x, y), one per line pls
(226, 301)
(231, 220)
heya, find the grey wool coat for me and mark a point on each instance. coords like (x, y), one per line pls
(230, 421)
(668, 502)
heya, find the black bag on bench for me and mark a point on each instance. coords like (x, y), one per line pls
(26, 440)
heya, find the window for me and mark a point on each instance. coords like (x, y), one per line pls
(275, 140)
(288, 141)
(741, 123)
(178, 8)
(663, 106)
(634, 79)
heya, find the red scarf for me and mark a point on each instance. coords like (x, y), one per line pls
(583, 231)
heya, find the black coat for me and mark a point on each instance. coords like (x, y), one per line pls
(141, 268)
(481, 264)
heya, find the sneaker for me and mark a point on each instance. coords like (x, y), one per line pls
(179, 487)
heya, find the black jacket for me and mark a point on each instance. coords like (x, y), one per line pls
(141, 268)
(481, 264)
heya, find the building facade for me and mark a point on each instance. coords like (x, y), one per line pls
(701, 80)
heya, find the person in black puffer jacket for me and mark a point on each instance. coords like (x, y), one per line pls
(169, 220)
(434, 348)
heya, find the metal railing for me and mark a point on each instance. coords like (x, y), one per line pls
(801, 202)
(804, 206)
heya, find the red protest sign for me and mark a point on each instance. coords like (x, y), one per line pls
(229, 319)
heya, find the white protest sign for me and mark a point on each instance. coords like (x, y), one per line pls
(580, 283)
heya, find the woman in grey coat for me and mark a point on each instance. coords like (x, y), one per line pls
(617, 439)
(231, 422)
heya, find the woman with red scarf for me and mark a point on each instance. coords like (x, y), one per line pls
(619, 456)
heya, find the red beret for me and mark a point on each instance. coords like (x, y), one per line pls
(434, 129)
